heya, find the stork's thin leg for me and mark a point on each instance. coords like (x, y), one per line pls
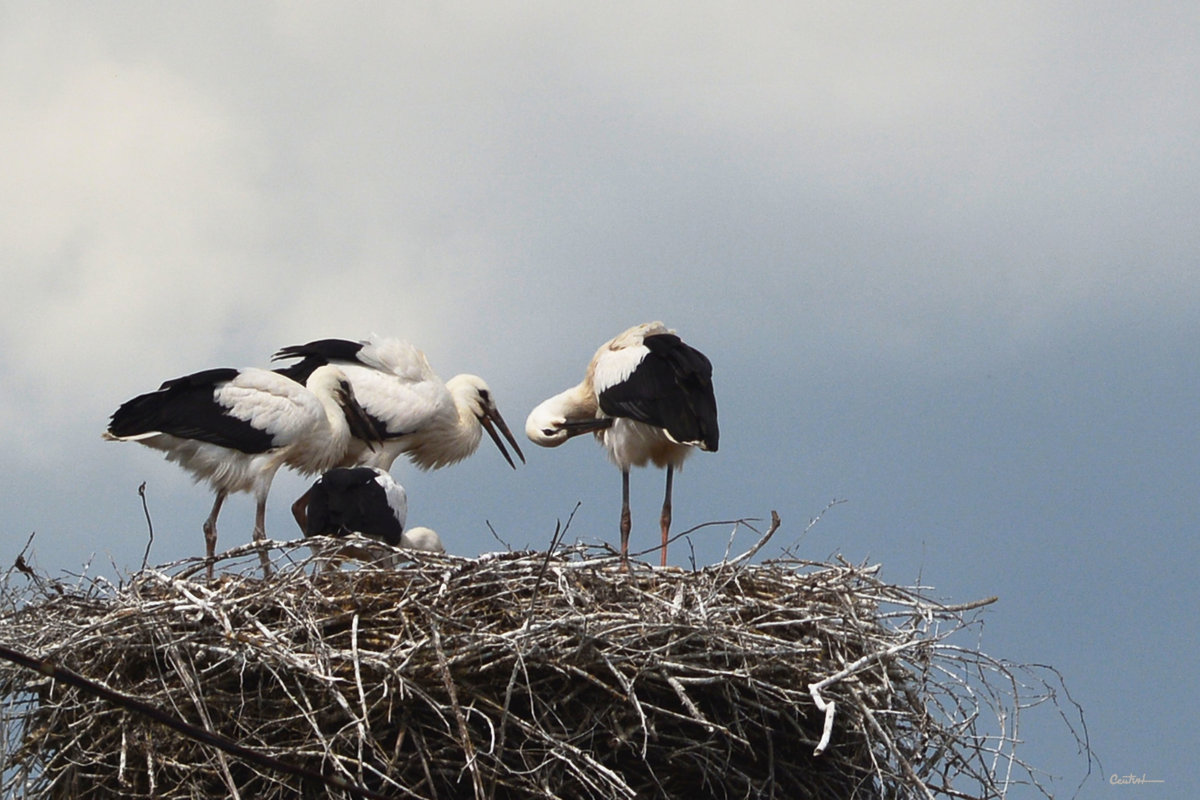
(210, 533)
(300, 511)
(665, 519)
(260, 535)
(625, 519)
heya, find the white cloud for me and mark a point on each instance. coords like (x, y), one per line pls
(130, 226)
(489, 182)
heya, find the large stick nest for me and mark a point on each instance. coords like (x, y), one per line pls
(514, 675)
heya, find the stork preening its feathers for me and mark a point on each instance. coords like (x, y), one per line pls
(648, 398)
(234, 429)
(365, 500)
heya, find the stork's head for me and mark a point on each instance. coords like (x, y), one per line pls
(422, 538)
(472, 395)
(564, 416)
(546, 424)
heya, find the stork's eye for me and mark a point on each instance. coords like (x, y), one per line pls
(549, 431)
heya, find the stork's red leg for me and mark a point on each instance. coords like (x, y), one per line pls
(260, 535)
(210, 533)
(665, 519)
(626, 519)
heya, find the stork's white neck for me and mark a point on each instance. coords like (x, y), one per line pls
(455, 433)
(327, 442)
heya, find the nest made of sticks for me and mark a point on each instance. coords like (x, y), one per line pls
(514, 675)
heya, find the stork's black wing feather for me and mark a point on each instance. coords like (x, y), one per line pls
(672, 389)
(302, 369)
(317, 354)
(186, 407)
(349, 500)
(324, 350)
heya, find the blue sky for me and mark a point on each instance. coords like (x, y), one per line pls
(943, 257)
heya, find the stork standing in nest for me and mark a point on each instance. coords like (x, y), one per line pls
(648, 398)
(234, 429)
(435, 424)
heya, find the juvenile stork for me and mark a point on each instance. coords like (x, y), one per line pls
(435, 424)
(234, 429)
(648, 398)
(365, 500)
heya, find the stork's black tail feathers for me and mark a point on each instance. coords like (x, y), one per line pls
(184, 407)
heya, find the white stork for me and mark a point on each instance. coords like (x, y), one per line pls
(365, 500)
(435, 424)
(647, 397)
(234, 429)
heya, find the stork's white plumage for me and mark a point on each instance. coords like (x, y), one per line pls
(234, 429)
(419, 537)
(648, 398)
(433, 423)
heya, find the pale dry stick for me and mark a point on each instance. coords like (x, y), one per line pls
(968, 662)
(204, 607)
(299, 696)
(829, 706)
(464, 732)
(149, 524)
(719, 587)
(811, 524)
(150, 753)
(362, 723)
(260, 548)
(346, 764)
(982, 662)
(304, 707)
(762, 540)
(696, 718)
(971, 606)
(732, 536)
(121, 779)
(631, 696)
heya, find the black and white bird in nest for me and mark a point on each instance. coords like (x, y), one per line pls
(367, 501)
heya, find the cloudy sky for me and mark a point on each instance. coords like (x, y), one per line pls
(944, 256)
